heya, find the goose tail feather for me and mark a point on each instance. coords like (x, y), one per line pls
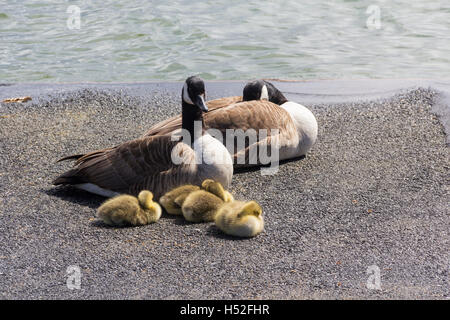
(69, 177)
(72, 157)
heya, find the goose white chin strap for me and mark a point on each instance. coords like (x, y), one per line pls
(264, 93)
(186, 97)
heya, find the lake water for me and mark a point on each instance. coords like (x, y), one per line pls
(121, 41)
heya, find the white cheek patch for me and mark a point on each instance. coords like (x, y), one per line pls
(186, 97)
(264, 93)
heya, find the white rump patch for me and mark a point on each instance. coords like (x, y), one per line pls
(186, 97)
(92, 188)
(264, 93)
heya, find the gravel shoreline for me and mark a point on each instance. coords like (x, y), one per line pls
(373, 191)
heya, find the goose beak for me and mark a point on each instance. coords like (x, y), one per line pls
(200, 102)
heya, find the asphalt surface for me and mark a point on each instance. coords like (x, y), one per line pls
(373, 191)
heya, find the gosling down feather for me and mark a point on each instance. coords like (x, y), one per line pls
(240, 219)
(174, 199)
(125, 210)
(202, 205)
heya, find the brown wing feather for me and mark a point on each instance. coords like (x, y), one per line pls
(133, 166)
(255, 115)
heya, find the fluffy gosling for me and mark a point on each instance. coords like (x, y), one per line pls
(173, 200)
(239, 218)
(217, 189)
(202, 205)
(128, 210)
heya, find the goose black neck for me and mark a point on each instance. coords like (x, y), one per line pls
(190, 115)
(282, 99)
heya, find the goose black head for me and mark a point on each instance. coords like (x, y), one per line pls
(194, 93)
(263, 90)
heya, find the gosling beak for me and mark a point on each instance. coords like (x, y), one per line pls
(200, 102)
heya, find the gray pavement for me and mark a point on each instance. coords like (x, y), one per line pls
(373, 192)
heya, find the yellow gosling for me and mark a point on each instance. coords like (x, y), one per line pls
(173, 200)
(125, 210)
(202, 205)
(239, 218)
(217, 189)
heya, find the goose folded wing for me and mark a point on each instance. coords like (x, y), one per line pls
(128, 167)
(256, 114)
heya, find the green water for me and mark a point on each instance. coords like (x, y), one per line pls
(159, 40)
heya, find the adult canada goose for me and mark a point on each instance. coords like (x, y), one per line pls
(128, 210)
(296, 124)
(157, 163)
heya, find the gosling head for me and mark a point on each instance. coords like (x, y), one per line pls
(193, 93)
(145, 198)
(208, 183)
(263, 90)
(217, 189)
(250, 208)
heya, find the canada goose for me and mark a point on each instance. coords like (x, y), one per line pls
(239, 218)
(202, 205)
(263, 90)
(157, 163)
(128, 210)
(173, 200)
(296, 124)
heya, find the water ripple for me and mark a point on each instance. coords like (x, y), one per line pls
(220, 39)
